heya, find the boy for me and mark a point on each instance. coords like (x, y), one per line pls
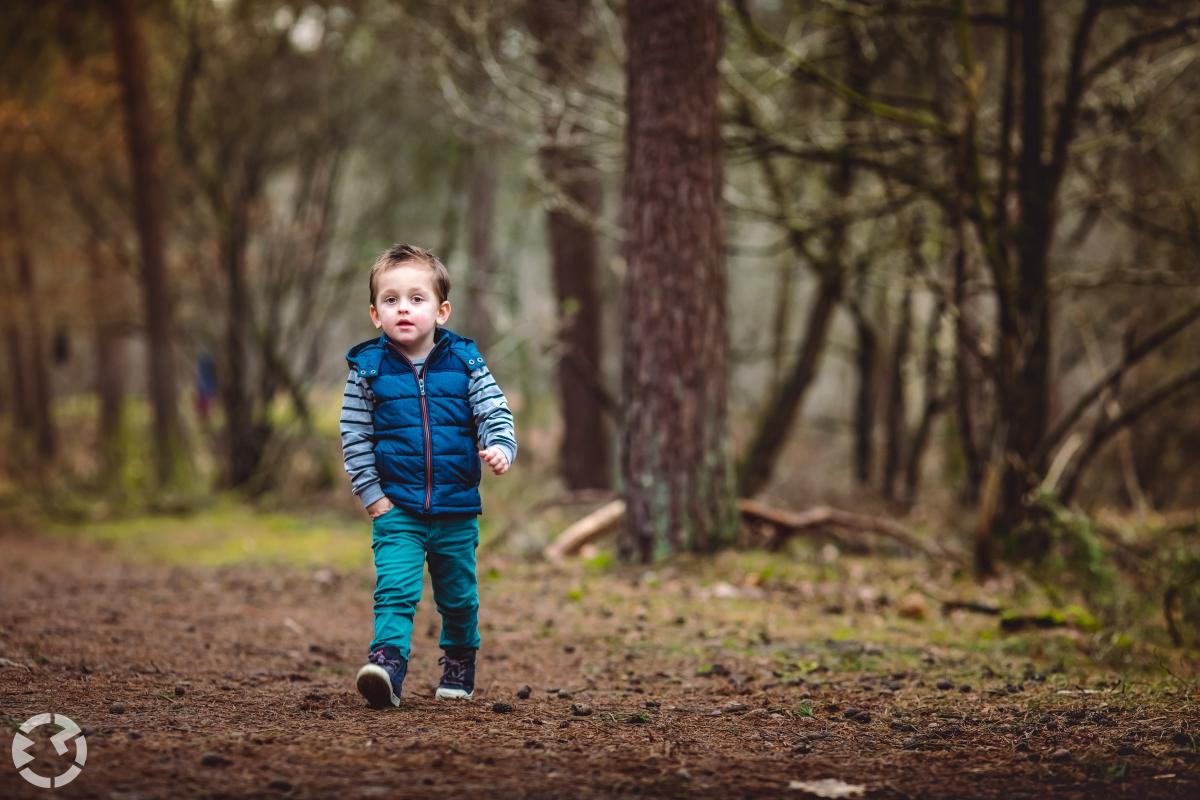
(419, 413)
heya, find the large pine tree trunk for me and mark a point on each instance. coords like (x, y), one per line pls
(675, 460)
(566, 36)
(148, 202)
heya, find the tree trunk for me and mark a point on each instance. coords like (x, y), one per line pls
(110, 361)
(676, 465)
(933, 405)
(865, 358)
(243, 441)
(18, 402)
(148, 202)
(770, 436)
(1023, 349)
(35, 356)
(895, 405)
(481, 243)
(964, 405)
(566, 43)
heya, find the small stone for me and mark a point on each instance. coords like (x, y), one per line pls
(524, 692)
(801, 749)
(502, 708)
(581, 709)
(966, 687)
(328, 715)
(944, 684)
(653, 704)
(533, 744)
(857, 715)
(280, 785)
(1061, 754)
(568, 648)
(117, 708)
(214, 760)
(564, 694)
(180, 690)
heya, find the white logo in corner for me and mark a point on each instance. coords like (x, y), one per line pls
(61, 740)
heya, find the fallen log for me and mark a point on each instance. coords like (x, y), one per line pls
(785, 523)
(593, 526)
(790, 522)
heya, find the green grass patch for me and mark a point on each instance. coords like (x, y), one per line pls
(229, 532)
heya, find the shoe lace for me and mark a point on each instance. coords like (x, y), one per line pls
(454, 669)
(378, 657)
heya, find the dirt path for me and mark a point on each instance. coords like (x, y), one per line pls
(237, 682)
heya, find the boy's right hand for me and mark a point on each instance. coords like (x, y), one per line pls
(380, 507)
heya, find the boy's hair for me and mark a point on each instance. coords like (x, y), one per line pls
(400, 254)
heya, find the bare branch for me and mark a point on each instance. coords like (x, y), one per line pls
(1135, 354)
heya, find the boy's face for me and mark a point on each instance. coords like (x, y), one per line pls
(407, 308)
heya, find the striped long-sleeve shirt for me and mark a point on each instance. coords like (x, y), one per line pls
(489, 407)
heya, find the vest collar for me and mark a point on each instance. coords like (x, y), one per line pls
(365, 357)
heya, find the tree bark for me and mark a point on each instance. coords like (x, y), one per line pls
(38, 401)
(148, 205)
(895, 405)
(866, 356)
(934, 400)
(110, 360)
(1023, 293)
(675, 461)
(481, 243)
(566, 46)
(243, 438)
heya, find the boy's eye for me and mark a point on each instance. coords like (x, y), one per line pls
(417, 299)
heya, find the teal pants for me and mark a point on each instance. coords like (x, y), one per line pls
(403, 543)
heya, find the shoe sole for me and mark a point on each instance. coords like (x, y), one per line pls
(454, 694)
(374, 684)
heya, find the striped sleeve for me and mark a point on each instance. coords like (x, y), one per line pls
(493, 419)
(358, 439)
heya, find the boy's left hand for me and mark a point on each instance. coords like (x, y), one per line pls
(494, 457)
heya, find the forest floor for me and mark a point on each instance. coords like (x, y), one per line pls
(723, 678)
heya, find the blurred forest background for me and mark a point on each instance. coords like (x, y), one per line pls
(948, 293)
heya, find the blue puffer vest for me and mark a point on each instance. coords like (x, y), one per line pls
(425, 447)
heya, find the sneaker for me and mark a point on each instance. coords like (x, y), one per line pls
(458, 674)
(381, 678)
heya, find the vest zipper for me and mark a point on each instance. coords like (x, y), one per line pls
(428, 444)
(420, 376)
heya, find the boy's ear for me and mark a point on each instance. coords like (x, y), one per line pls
(443, 312)
(375, 320)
